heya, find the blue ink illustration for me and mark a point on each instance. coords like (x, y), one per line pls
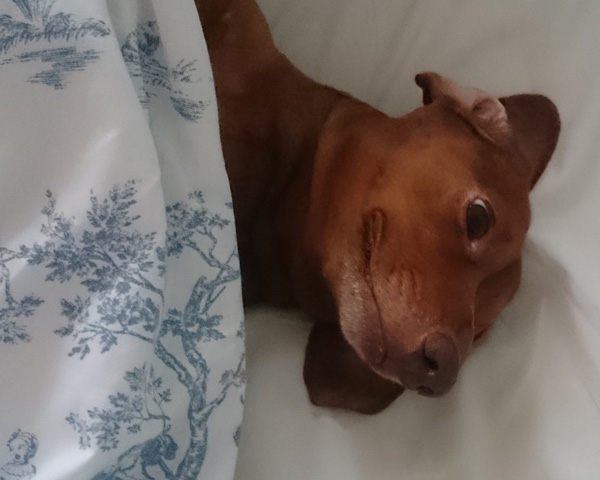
(151, 453)
(39, 24)
(117, 265)
(151, 77)
(145, 403)
(61, 61)
(22, 447)
(14, 311)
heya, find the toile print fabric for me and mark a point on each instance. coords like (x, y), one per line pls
(121, 333)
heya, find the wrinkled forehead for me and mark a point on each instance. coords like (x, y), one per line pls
(443, 149)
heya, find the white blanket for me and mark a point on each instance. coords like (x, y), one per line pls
(527, 404)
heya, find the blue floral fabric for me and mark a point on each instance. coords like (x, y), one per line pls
(121, 334)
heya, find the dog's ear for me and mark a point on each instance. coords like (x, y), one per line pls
(336, 377)
(535, 124)
(528, 123)
(485, 112)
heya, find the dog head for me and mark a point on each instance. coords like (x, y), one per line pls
(418, 223)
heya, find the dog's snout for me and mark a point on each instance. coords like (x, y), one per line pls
(441, 361)
(431, 369)
(440, 353)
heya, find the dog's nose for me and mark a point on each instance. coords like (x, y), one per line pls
(442, 361)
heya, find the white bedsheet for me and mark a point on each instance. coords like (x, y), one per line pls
(527, 404)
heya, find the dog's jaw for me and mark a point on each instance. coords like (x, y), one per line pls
(392, 342)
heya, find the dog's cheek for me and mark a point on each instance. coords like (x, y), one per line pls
(358, 314)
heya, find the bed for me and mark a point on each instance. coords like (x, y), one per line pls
(125, 352)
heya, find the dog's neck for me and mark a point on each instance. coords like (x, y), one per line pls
(282, 200)
(275, 114)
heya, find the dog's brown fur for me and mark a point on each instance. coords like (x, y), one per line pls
(361, 219)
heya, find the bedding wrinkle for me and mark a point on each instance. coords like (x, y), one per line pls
(563, 347)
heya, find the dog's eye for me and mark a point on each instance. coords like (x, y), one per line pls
(479, 219)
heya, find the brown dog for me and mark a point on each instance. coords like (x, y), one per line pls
(402, 237)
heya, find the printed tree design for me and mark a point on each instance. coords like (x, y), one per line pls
(144, 404)
(13, 310)
(117, 265)
(40, 24)
(140, 52)
(37, 24)
(35, 10)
